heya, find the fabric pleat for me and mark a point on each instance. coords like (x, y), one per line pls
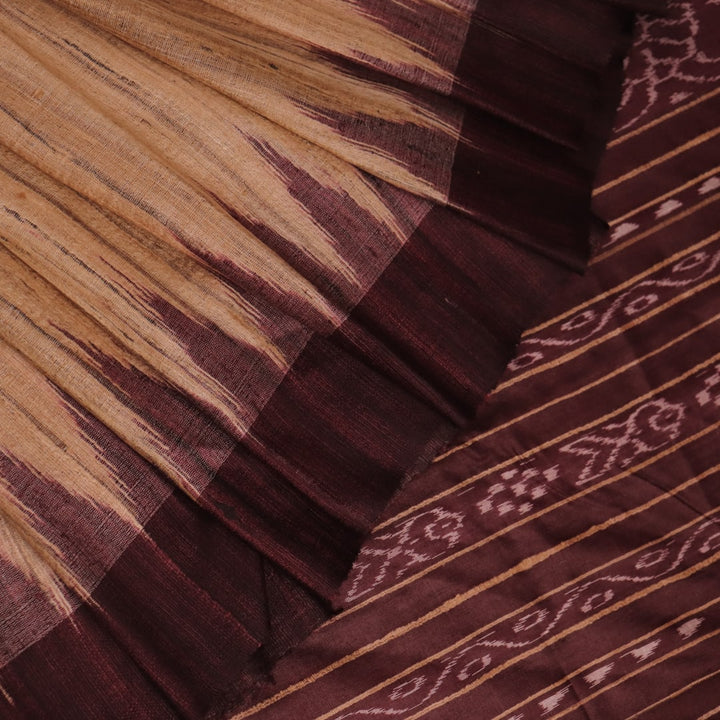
(259, 262)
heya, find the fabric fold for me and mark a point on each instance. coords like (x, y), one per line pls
(433, 141)
(259, 263)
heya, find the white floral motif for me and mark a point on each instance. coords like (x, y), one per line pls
(668, 207)
(551, 703)
(709, 185)
(518, 492)
(710, 394)
(690, 627)
(645, 294)
(622, 230)
(644, 652)
(670, 60)
(395, 552)
(649, 427)
(651, 558)
(598, 676)
(440, 678)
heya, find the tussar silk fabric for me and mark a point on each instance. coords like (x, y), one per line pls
(259, 262)
(560, 559)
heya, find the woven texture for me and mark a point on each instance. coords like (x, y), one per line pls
(259, 261)
(560, 560)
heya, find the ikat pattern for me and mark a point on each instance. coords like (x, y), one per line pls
(694, 269)
(531, 630)
(578, 576)
(258, 261)
(607, 453)
(679, 62)
(686, 200)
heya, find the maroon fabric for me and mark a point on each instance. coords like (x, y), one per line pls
(231, 571)
(560, 559)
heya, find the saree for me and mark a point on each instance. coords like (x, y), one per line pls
(560, 558)
(260, 262)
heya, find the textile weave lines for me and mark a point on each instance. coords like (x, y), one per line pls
(560, 560)
(259, 262)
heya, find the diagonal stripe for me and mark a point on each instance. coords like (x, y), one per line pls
(695, 181)
(518, 523)
(714, 713)
(638, 671)
(663, 118)
(555, 591)
(344, 660)
(527, 564)
(651, 231)
(679, 150)
(677, 693)
(608, 336)
(615, 651)
(548, 443)
(625, 284)
(253, 710)
(623, 368)
(677, 577)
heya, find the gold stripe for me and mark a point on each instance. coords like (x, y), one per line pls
(569, 631)
(579, 391)
(650, 231)
(548, 443)
(608, 336)
(710, 714)
(674, 695)
(606, 656)
(625, 284)
(460, 599)
(679, 150)
(638, 671)
(519, 523)
(555, 591)
(663, 118)
(695, 181)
